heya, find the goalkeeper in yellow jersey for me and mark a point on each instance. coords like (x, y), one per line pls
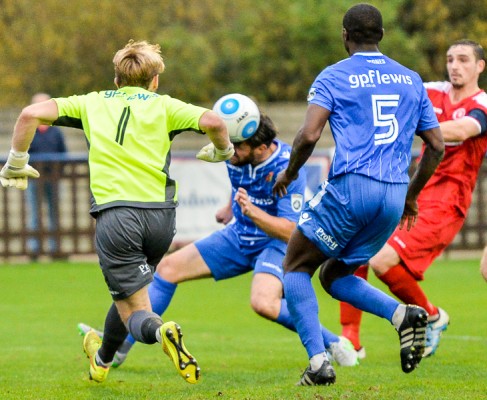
(129, 131)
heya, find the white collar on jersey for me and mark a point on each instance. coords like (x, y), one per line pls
(368, 53)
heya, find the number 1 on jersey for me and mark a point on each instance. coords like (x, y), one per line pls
(122, 125)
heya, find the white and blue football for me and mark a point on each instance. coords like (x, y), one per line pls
(241, 115)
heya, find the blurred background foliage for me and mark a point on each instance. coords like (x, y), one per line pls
(271, 49)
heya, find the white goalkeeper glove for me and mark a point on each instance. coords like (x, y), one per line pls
(16, 171)
(211, 154)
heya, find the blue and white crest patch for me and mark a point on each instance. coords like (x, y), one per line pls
(297, 202)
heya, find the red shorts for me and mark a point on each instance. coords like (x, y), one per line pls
(435, 229)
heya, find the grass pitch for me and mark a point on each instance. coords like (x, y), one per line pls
(242, 356)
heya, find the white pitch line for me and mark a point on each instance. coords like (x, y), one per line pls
(465, 338)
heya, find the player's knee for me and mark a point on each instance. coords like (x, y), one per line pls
(384, 260)
(331, 270)
(265, 307)
(325, 278)
(168, 271)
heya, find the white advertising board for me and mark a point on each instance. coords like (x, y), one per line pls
(204, 188)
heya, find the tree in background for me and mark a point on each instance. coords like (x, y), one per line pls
(433, 25)
(271, 49)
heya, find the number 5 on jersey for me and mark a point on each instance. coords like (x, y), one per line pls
(383, 119)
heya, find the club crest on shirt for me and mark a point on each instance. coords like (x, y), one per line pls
(458, 113)
(311, 94)
(297, 202)
(269, 177)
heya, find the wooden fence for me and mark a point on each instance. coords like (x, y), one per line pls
(73, 233)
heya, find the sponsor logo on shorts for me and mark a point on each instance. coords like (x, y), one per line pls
(114, 292)
(399, 242)
(297, 202)
(271, 266)
(144, 268)
(327, 239)
(304, 217)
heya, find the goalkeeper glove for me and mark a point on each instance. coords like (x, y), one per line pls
(16, 171)
(211, 154)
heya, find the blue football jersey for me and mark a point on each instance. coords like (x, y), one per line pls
(377, 105)
(258, 182)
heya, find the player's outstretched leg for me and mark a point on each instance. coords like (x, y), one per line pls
(412, 336)
(91, 344)
(173, 346)
(122, 352)
(433, 332)
(325, 375)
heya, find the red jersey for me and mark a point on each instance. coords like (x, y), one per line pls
(454, 180)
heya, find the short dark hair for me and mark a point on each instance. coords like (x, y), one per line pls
(363, 23)
(477, 48)
(265, 134)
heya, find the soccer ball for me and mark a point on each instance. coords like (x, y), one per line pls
(241, 115)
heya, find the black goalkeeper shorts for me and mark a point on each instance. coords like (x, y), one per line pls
(130, 242)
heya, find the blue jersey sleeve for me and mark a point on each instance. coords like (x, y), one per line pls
(319, 93)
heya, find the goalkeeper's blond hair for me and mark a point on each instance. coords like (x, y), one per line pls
(137, 64)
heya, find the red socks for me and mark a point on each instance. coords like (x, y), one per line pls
(401, 283)
(405, 287)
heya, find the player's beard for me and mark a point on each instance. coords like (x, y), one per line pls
(457, 81)
(239, 162)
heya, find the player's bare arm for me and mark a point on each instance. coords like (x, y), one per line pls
(277, 227)
(460, 129)
(44, 113)
(303, 146)
(215, 128)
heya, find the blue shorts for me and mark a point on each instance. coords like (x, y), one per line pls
(352, 216)
(228, 256)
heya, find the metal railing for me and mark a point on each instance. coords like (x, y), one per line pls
(73, 230)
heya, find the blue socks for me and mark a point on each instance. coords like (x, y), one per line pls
(284, 318)
(303, 305)
(362, 295)
(161, 293)
(303, 308)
